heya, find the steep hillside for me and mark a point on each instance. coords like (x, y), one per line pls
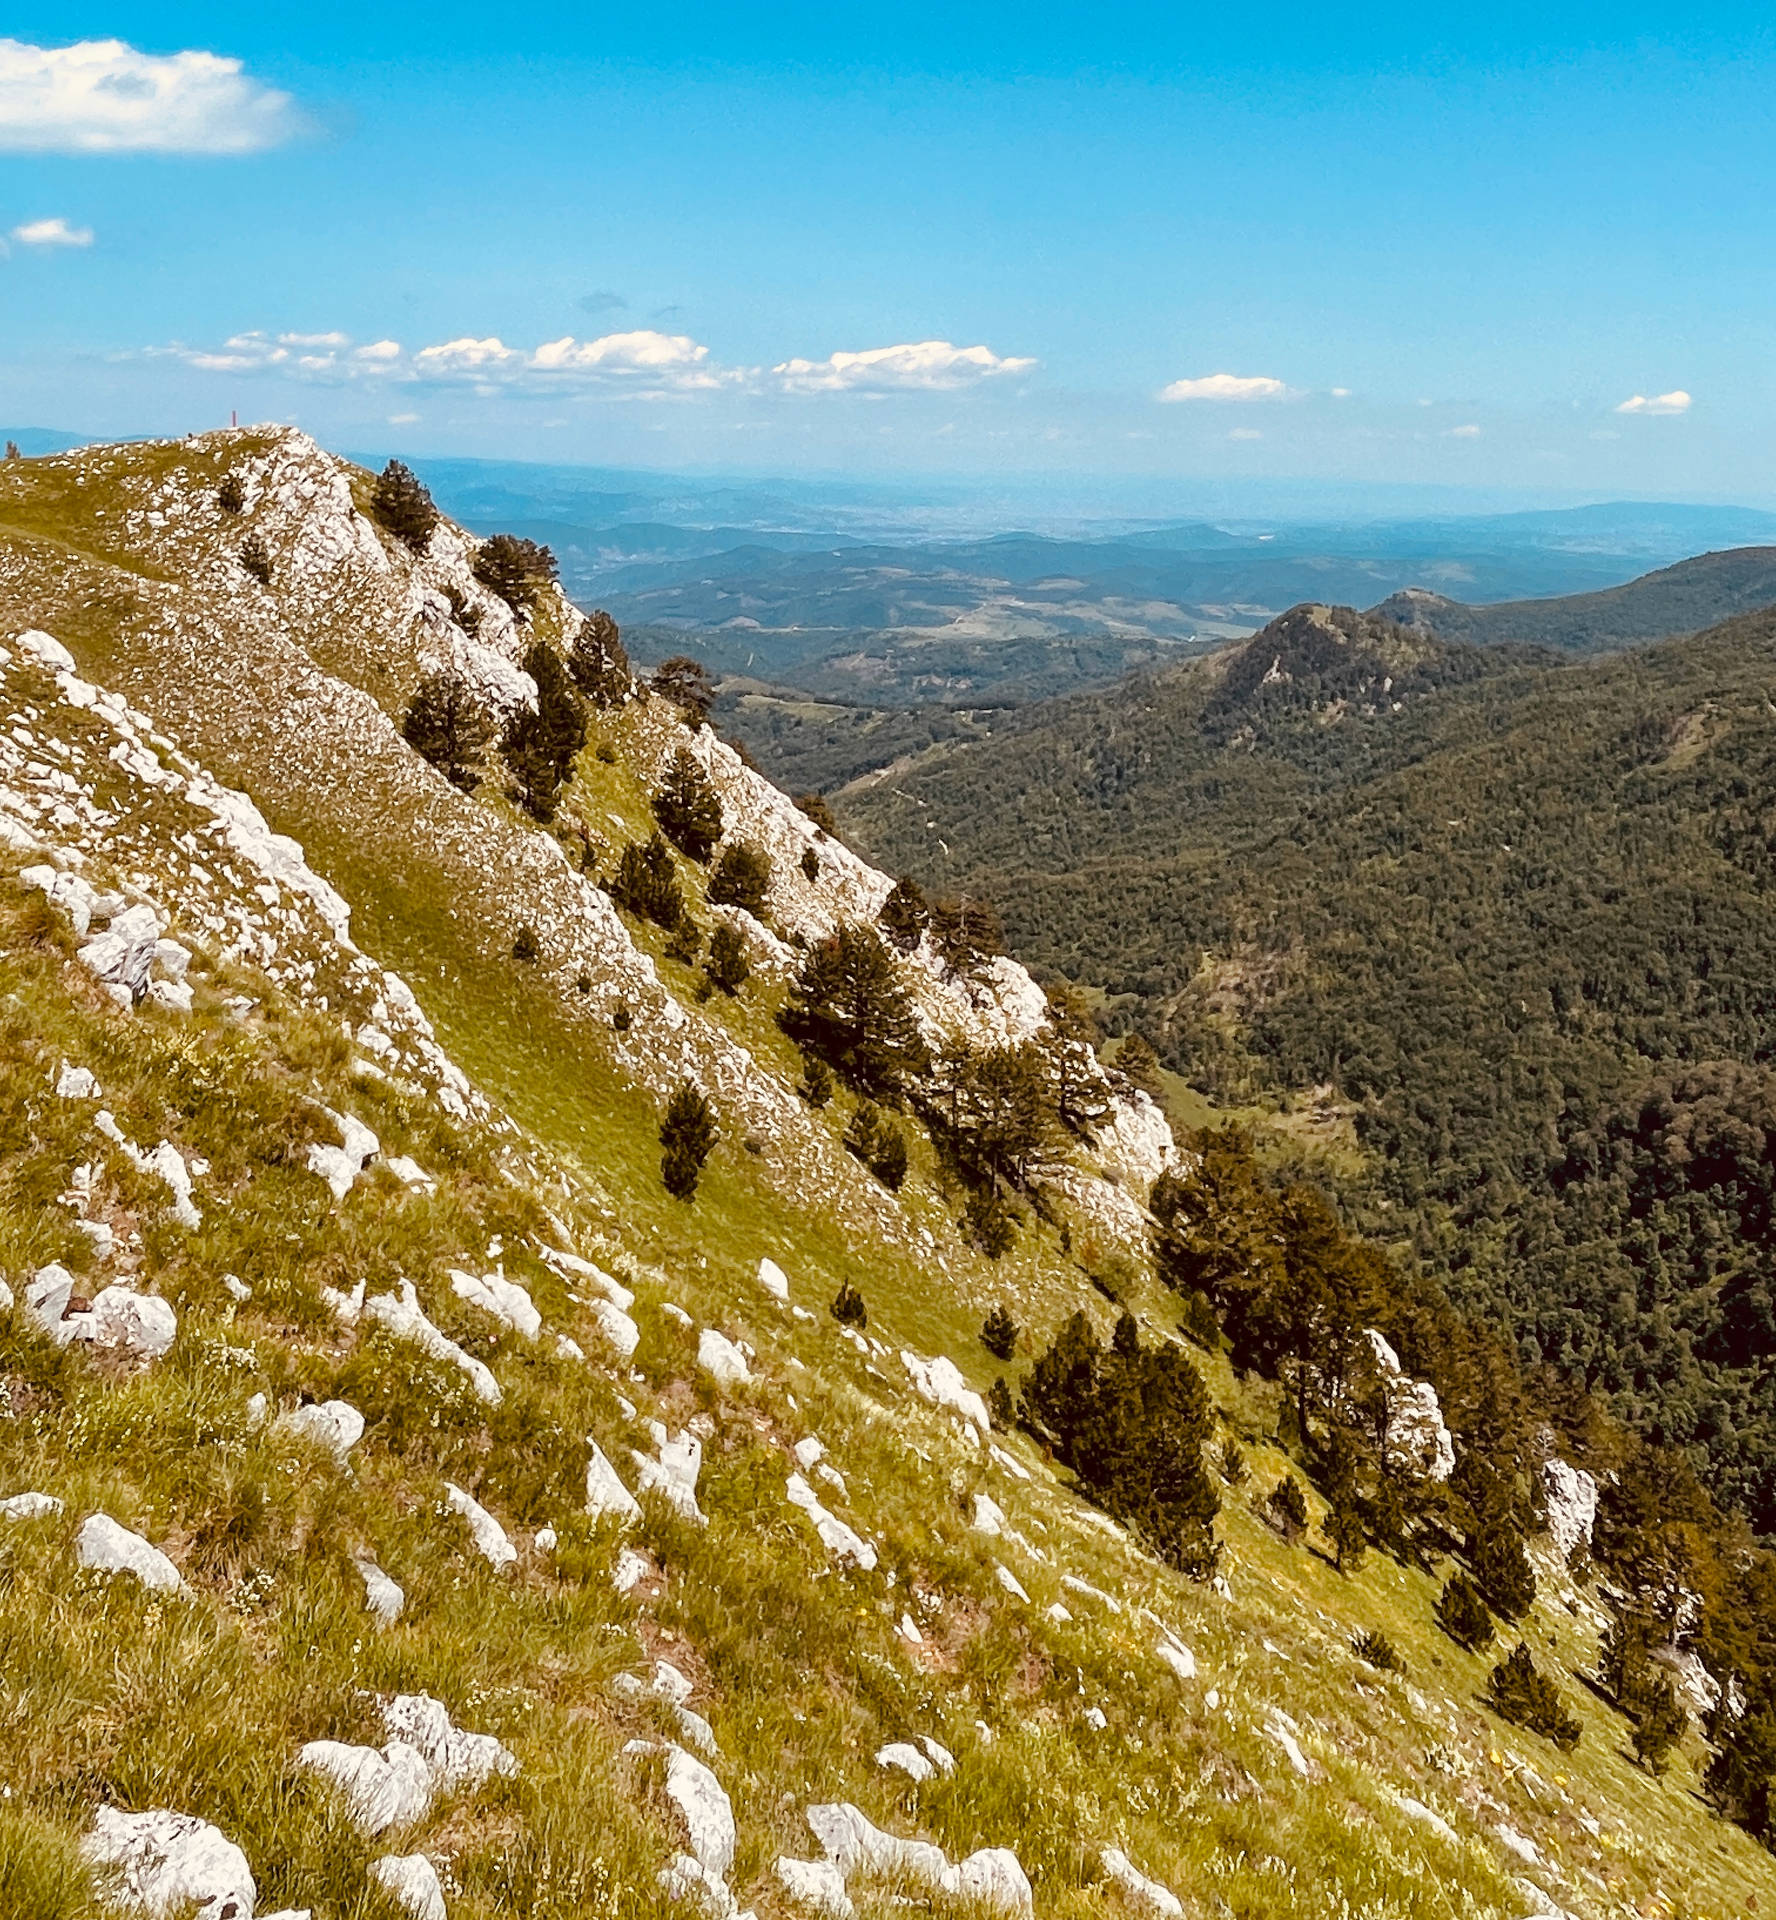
(408, 1507)
(1505, 920)
(1675, 600)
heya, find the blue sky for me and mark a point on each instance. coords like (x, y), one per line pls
(1288, 242)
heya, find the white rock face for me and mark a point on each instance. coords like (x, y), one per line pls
(841, 1541)
(817, 1885)
(413, 1880)
(29, 1506)
(606, 1496)
(1011, 1583)
(855, 1845)
(334, 1424)
(991, 1878)
(708, 1813)
(46, 650)
(76, 1083)
(123, 956)
(105, 1547)
(489, 1536)
(1570, 1496)
(940, 1381)
(1416, 1435)
(392, 1788)
(1138, 1887)
(400, 1313)
(618, 1329)
(1177, 1656)
(721, 1359)
(410, 1173)
(381, 1595)
(340, 1166)
(135, 1325)
(493, 1293)
(170, 1865)
(989, 1516)
(776, 1283)
(673, 1471)
(631, 1570)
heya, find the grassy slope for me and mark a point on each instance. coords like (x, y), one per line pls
(803, 1675)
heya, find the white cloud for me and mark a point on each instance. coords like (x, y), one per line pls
(1677, 401)
(403, 419)
(921, 366)
(1341, 393)
(1245, 433)
(314, 339)
(102, 96)
(664, 359)
(465, 356)
(1225, 386)
(52, 233)
(378, 352)
(1469, 432)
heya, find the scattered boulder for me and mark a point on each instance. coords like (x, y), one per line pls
(334, 1424)
(1286, 1734)
(776, 1283)
(171, 1866)
(854, 1844)
(1416, 1435)
(721, 1359)
(410, 1173)
(939, 1755)
(631, 1570)
(817, 1885)
(411, 1879)
(992, 1878)
(1417, 1810)
(400, 1313)
(104, 1547)
(391, 1788)
(381, 1595)
(841, 1541)
(989, 1516)
(1176, 1655)
(29, 1506)
(459, 1761)
(489, 1535)
(340, 1166)
(1137, 1886)
(123, 955)
(76, 1083)
(606, 1496)
(617, 1327)
(673, 1471)
(940, 1381)
(138, 1326)
(1010, 1582)
(493, 1293)
(702, 1801)
(908, 1759)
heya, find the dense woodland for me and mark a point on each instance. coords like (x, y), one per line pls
(1518, 916)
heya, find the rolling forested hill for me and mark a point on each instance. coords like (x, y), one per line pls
(1519, 915)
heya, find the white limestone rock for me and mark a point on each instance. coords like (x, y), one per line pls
(673, 1471)
(412, 1880)
(400, 1313)
(334, 1424)
(29, 1506)
(721, 1359)
(855, 1845)
(1177, 1656)
(136, 1326)
(410, 1173)
(1133, 1882)
(817, 1885)
(992, 1878)
(1279, 1728)
(631, 1570)
(708, 1814)
(382, 1596)
(171, 1866)
(1570, 1497)
(840, 1541)
(123, 955)
(1416, 1435)
(48, 652)
(989, 1516)
(390, 1788)
(340, 1166)
(940, 1381)
(774, 1280)
(619, 1330)
(460, 1762)
(606, 1496)
(1010, 1582)
(493, 1293)
(906, 1759)
(76, 1083)
(489, 1536)
(1426, 1817)
(104, 1547)
(939, 1755)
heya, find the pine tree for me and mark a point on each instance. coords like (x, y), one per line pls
(989, 1223)
(813, 806)
(810, 864)
(685, 682)
(998, 1116)
(516, 569)
(1660, 1722)
(1345, 1529)
(446, 725)
(817, 1081)
(741, 878)
(1462, 1613)
(687, 1138)
(1233, 1464)
(965, 933)
(1139, 1066)
(879, 1144)
(1378, 1651)
(1287, 1507)
(847, 1005)
(599, 661)
(542, 742)
(688, 807)
(231, 496)
(727, 964)
(848, 1308)
(1500, 1565)
(403, 505)
(999, 1334)
(904, 914)
(1530, 1699)
(1001, 1408)
(646, 882)
(255, 559)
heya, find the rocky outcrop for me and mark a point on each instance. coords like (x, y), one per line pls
(1417, 1439)
(1569, 1496)
(170, 1866)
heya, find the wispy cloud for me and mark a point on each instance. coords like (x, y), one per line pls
(923, 366)
(1677, 401)
(1469, 432)
(51, 233)
(1245, 433)
(1225, 386)
(103, 96)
